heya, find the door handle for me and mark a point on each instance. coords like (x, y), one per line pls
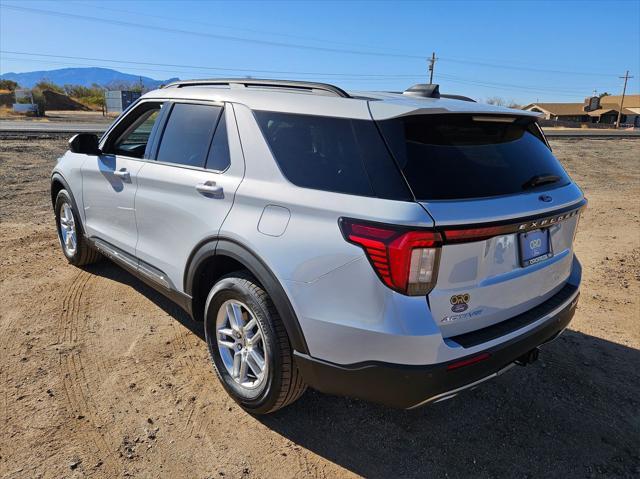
(209, 188)
(123, 174)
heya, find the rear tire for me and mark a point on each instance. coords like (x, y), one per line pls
(74, 245)
(238, 298)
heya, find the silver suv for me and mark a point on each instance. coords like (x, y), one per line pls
(395, 247)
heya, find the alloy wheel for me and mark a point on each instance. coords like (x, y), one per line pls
(241, 344)
(68, 236)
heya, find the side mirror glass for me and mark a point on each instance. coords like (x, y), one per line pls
(85, 143)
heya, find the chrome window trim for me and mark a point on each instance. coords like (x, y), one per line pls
(166, 163)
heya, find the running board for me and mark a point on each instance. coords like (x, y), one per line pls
(131, 262)
(149, 274)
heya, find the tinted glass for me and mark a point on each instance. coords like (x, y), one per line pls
(219, 157)
(463, 156)
(332, 154)
(133, 142)
(187, 134)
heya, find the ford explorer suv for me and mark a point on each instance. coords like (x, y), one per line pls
(393, 247)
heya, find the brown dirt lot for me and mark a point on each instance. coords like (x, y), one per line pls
(101, 376)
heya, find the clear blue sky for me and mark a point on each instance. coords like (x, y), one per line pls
(518, 50)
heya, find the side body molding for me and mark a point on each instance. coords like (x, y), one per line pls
(234, 250)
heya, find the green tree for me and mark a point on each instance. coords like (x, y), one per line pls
(125, 85)
(8, 85)
(92, 96)
(48, 85)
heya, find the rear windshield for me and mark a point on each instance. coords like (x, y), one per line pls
(463, 156)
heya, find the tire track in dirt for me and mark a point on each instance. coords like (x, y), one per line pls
(180, 347)
(17, 248)
(201, 383)
(6, 325)
(77, 388)
(127, 375)
(185, 344)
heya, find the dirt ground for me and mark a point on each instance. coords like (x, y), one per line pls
(100, 376)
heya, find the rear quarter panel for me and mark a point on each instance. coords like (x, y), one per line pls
(311, 244)
(328, 281)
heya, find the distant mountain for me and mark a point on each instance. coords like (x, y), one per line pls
(82, 76)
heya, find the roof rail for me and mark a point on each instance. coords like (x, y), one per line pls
(249, 82)
(457, 97)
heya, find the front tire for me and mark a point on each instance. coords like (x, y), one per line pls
(73, 243)
(249, 346)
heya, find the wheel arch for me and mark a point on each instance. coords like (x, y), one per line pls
(58, 183)
(216, 257)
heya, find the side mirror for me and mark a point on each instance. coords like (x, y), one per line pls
(85, 143)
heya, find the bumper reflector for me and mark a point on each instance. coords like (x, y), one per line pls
(468, 362)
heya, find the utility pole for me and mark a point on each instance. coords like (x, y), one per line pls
(432, 62)
(624, 90)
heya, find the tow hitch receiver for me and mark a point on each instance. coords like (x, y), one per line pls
(528, 358)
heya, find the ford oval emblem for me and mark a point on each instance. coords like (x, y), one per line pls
(545, 198)
(459, 308)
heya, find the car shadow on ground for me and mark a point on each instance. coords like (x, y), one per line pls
(109, 270)
(574, 413)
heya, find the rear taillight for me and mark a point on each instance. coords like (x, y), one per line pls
(466, 235)
(405, 260)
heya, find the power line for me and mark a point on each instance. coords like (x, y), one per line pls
(195, 71)
(208, 35)
(531, 69)
(509, 85)
(378, 53)
(331, 76)
(223, 69)
(501, 86)
(241, 29)
(343, 80)
(512, 85)
(486, 63)
(84, 64)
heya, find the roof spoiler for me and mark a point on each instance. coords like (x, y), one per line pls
(458, 97)
(432, 90)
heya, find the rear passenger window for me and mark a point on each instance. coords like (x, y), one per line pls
(219, 157)
(331, 154)
(187, 134)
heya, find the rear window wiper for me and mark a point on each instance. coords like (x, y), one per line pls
(539, 180)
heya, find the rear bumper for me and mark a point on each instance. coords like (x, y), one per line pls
(407, 386)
